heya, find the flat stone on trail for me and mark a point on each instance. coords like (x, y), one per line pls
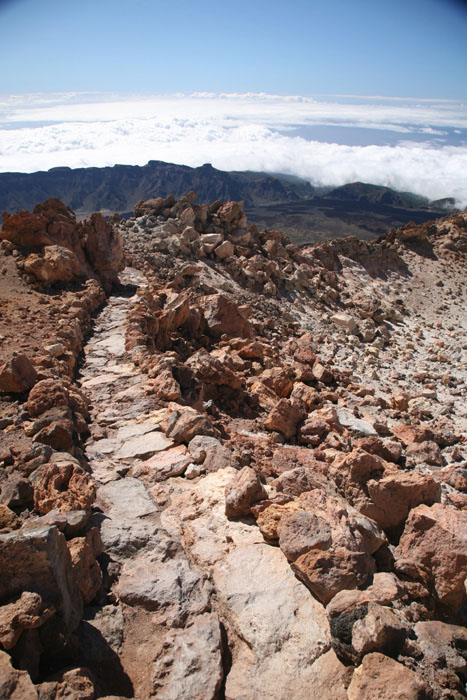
(144, 445)
(97, 381)
(101, 447)
(127, 497)
(172, 462)
(114, 344)
(133, 429)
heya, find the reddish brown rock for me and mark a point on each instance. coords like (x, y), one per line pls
(17, 374)
(58, 434)
(8, 520)
(73, 684)
(381, 678)
(427, 451)
(326, 573)
(87, 572)
(409, 434)
(63, 486)
(380, 630)
(306, 394)
(300, 532)
(380, 491)
(279, 379)
(245, 490)
(165, 386)
(56, 264)
(103, 247)
(433, 550)
(28, 612)
(322, 373)
(296, 481)
(223, 316)
(15, 685)
(185, 423)
(397, 493)
(46, 394)
(211, 370)
(38, 560)
(285, 417)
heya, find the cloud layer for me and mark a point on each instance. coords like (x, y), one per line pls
(243, 132)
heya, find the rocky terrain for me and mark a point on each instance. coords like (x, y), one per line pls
(308, 214)
(230, 467)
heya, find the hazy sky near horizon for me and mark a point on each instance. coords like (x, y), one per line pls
(333, 92)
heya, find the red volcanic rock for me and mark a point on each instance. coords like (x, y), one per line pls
(322, 373)
(38, 560)
(185, 423)
(223, 316)
(58, 434)
(63, 486)
(165, 386)
(296, 481)
(302, 531)
(25, 613)
(46, 394)
(381, 678)
(285, 417)
(17, 374)
(56, 264)
(380, 491)
(8, 520)
(210, 370)
(380, 630)
(232, 213)
(69, 249)
(104, 249)
(306, 394)
(326, 573)
(245, 490)
(25, 230)
(433, 550)
(86, 570)
(15, 685)
(397, 493)
(279, 379)
(409, 434)
(329, 543)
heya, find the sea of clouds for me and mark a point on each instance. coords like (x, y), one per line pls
(413, 145)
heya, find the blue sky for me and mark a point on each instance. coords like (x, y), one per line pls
(408, 48)
(332, 91)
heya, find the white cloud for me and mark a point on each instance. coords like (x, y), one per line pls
(237, 132)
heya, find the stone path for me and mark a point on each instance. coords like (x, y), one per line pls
(189, 613)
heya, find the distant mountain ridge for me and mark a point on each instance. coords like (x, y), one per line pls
(118, 188)
(304, 212)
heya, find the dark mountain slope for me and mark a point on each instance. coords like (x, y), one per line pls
(276, 201)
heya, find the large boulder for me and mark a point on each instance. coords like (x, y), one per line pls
(223, 316)
(379, 490)
(17, 374)
(104, 249)
(56, 264)
(245, 489)
(328, 543)
(433, 550)
(285, 417)
(380, 677)
(65, 486)
(15, 685)
(38, 561)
